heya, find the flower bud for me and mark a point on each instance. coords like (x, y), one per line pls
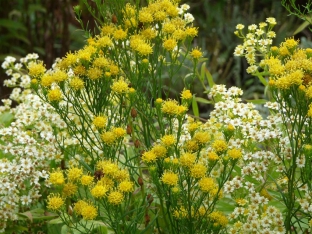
(129, 130)
(133, 112)
(137, 143)
(140, 181)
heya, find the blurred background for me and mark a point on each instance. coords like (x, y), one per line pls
(49, 28)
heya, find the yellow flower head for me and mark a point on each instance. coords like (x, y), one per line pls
(218, 218)
(46, 80)
(69, 189)
(115, 198)
(57, 177)
(99, 191)
(59, 76)
(94, 73)
(149, 157)
(86, 180)
(108, 29)
(234, 153)
(55, 95)
(126, 186)
(187, 160)
(213, 156)
(100, 121)
(79, 205)
(120, 34)
(191, 146)
(120, 86)
(74, 173)
(76, 83)
(119, 132)
(168, 140)
(54, 202)
(36, 69)
(170, 107)
(198, 171)
(109, 138)
(201, 137)
(206, 184)
(196, 53)
(159, 150)
(170, 178)
(88, 211)
(219, 146)
(145, 16)
(170, 44)
(186, 94)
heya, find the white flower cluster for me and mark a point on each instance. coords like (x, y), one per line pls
(28, 144)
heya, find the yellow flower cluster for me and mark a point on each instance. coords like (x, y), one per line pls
(116, 134)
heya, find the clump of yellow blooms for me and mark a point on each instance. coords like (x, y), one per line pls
(55, 95)
(170, 178)
(54, 202)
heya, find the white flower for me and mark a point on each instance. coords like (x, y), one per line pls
(188, 17)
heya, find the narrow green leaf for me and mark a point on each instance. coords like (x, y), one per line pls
(195, 107)
(209, 78)
(202, 71)
(302, 27)
(203, 100)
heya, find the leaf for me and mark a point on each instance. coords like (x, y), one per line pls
(209, 78)
(202, 71)
(12, 25)
(203, 100)
(195, 107)
(257, 101)
(6, 119)
(301, 27)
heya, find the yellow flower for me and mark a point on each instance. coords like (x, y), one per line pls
(76, 83)
(168, 140)
(191, 146)
(310, 111)
(121, 175)
(101, 62)
(69, 189)
(126, 186)
(218, 218)
(57, 177)
(196, 53)
(55, 95)
(74, 173)
(219, 146)
(86, 180)
(79, 205)
(54, 202)
(191, 32)
(186, 94)
(99, 191)
(198, 171)
(187, 160)
(234, 153)
(119, 86)
(100, 121)
(108, 167)
(212, 156)
(149, 156)
(94, 73)
(158, 101)
(88, 211)
(46, 80)
(120, 34)
(201, 137)
(36, 69)
(59, 76)
(119, 132)
(145, 15)
(206, 184)
(170, 44)
(170, 107)
(144, 49)
(170, 178)
(115, 197)
(104, 41)
(109, 138)
(148, 33)
(159, 150)
(108, 29)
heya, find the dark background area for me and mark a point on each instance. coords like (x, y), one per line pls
(49, 28)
